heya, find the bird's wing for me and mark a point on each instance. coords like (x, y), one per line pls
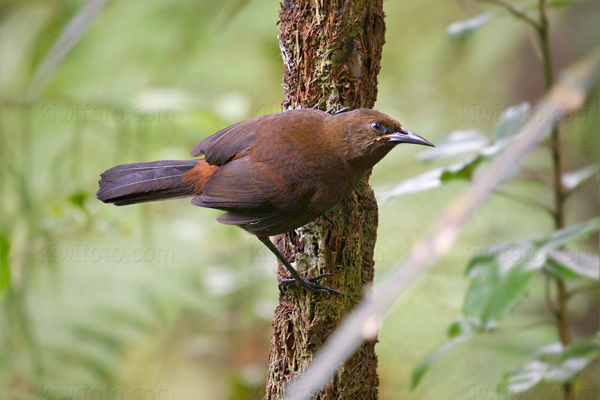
(240, 185)
(224, 145)
(262, 224)
(253, 199)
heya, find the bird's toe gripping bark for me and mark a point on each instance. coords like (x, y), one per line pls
(310, 284)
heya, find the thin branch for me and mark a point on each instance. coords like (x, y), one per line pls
(562, 298)
(562, 320)
(545, 44)
(511, 330)
(516, 11)
(535, 174)
(583, 289)
(535, 45)
(548, 296)
(523, 200)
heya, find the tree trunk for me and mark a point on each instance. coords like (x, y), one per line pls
(331, 51)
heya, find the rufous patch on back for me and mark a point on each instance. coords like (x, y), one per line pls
(199, 175)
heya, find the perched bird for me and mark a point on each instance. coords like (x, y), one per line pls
(271, 174)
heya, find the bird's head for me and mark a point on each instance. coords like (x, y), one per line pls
(370, 134)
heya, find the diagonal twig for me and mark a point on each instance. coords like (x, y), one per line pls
(523, 200)
(65, 42)
(516, 11)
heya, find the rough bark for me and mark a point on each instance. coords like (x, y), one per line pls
(331, 52)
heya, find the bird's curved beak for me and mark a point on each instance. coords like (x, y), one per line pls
(406, 136)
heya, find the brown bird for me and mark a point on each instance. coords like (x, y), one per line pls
(271, 174)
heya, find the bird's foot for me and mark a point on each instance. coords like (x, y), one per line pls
(331, 110)
(309, 284)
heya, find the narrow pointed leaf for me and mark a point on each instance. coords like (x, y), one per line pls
(574, 264)
(572, 180)
(501, 276)
(525, 377)
(422, 368)
(570, 234)
(434, 178)
(553, 363)
(420, 183)
(464, 170)
(457, 142)
(463, 30)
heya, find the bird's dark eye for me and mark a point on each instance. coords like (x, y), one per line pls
(376, 125)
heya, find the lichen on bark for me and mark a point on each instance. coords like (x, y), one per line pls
(331, 51)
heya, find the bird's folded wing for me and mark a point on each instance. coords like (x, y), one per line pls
(224, 145)
(243, 186)
(257, 224)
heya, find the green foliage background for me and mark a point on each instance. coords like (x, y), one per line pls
(161, 301)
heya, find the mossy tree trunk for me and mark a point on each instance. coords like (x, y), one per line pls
(331, 51)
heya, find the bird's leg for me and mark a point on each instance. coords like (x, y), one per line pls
(309, 284)
(331, 111)
(341, 110)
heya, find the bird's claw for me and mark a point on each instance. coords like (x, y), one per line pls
(310, 284)
(331, 110)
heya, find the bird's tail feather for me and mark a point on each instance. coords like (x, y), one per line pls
(142, 182)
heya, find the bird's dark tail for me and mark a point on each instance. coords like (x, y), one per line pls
(142, 182)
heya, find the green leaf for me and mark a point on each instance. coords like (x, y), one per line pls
(422, 368)
(463, 326)
(552, 363)
(549, 350)
(501, 274)
(78, 198)
(574, 359)
(511, 120)
(459, 331)
(560, 3)
(565, 371)
(4, 264)
(570, 234)
(463, 30)
(505, 257)
(572, 180)
(456, 142)
(500, 279)
(464, 170)
(434, 178)
(420, 183)
(558, 270)
(524, 377)
(570, 265)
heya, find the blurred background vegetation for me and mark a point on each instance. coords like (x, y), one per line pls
(159, 301)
